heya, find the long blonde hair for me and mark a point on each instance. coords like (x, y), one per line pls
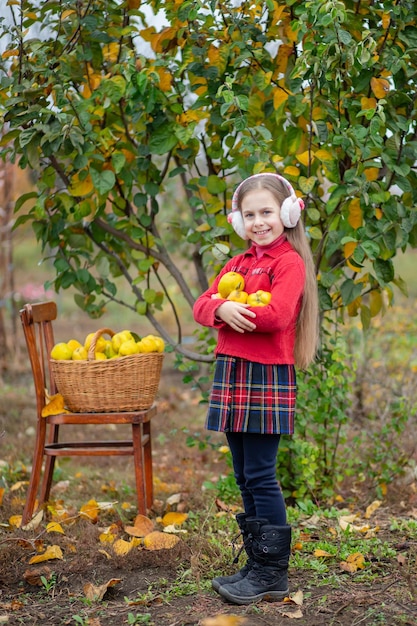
(307, 334)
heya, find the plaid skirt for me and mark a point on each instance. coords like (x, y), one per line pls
(252, 397)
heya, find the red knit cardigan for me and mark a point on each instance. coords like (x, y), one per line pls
(281, 271)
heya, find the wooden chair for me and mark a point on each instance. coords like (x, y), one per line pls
(38, 330)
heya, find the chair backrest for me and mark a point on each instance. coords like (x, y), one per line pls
(37, 327)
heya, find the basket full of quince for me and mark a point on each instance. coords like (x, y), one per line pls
(108, 372)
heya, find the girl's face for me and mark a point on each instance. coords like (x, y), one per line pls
(261, 217)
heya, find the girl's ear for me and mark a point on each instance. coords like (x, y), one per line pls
(236, 220)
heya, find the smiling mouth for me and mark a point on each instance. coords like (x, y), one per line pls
(262, 232)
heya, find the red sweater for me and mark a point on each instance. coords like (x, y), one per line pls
(279, 270)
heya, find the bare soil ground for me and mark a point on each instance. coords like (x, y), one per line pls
(172, 587)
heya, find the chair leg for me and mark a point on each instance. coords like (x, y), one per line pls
(36, 473)
(139, 468)
(49, 465)
(148, 465)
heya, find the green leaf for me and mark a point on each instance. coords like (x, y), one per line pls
(103, 181)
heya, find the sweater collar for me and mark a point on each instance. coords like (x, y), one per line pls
(270, 248)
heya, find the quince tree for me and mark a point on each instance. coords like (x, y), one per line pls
(140, 117)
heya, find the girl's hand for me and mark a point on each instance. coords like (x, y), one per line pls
(236, 315)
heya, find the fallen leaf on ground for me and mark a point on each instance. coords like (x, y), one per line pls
(292, 614)
(95, 593)
(142, 526)
(319, 552)
(55, 527)
(224, 620)
(122, 547)
(174, 519)
(90, 511)
(160, 541)
(353, 562)
(34, 522)
(296, 598)
(51, 552)
(372, 508)
(15, 521)
(33, 576)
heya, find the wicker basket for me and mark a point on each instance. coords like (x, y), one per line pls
(127, 383)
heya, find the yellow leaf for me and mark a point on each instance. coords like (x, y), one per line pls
(160, 541)
(297, 598)
(122, 547)
(165, 79)
(348, 250)
(54, 527)
(368, 103)
(1, 495)
(34, 522)
(111, 51)
(106, 537)
(55, 406)
(106, 554)
(371, 173)
(10, 53)
(386, 20)
(378, 213)
(284, 52)
(280, 96)
(18, 485)
(15, 521)
(291, 170)
(324, 155)
(319, 552)
(375, 306)
(141, 527)
(355, 218)
(353, 562)
(224, 620)
(67, 13)
(81, 187)
(174, 518)
(380, 87)
(304, 157)
(90, 510)
(95, 593)
(370, 510)
(51, 552)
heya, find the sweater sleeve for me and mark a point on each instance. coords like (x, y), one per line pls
(205, 307)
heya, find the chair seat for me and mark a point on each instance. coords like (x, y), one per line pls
(37, 322)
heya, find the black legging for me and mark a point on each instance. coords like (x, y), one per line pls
(254, 463)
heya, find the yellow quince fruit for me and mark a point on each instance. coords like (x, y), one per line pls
(231, 281)
(100, 343)
(80, 354)
(259, 298)
(238, 296)
(159, 343)
(73, 344)
(100, 356)
(61, 352)
(128, 347)
(147, 344)
(119, 338)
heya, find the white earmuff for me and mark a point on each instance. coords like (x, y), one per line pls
(236, 220)
(290, 209)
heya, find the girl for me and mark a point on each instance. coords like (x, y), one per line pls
(253, 394)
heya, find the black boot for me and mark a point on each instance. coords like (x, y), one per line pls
(267, 579)
(219, 581)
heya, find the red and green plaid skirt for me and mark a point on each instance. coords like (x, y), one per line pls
(252, 397)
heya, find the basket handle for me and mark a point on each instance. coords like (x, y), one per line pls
(97, 335)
